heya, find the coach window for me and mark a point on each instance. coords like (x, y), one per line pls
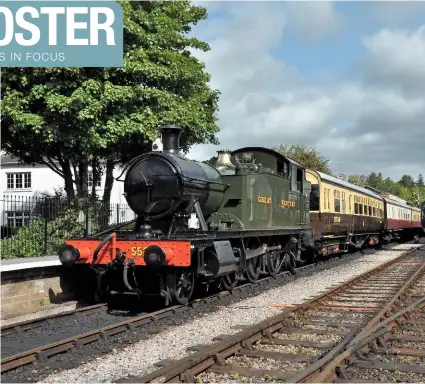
(361, 206)
(343, 202)
(356, 205)
(337, 201)
(329, 199)
(365, 208)
(374, 210)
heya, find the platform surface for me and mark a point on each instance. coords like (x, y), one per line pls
(28, 263)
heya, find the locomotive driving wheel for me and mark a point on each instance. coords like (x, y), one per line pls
(290, 261)
(273, 263)
(253, 269)
(229, 282)
(181, 283)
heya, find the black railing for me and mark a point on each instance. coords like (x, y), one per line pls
(37, 226)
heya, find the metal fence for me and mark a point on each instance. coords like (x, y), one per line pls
(37, 226)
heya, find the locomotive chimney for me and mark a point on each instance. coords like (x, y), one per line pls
(171, 139)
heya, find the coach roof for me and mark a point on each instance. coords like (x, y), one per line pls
(345, 184)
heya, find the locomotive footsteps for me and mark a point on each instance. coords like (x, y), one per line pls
(255, 213)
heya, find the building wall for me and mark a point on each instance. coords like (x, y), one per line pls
(44, 181)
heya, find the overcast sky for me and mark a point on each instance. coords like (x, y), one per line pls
(345, 77)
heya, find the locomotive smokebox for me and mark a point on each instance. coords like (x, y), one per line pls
(171, 139)
(159, 184)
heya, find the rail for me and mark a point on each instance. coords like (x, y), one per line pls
(231, 355)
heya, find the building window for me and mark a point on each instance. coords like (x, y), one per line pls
(19, 180)
(90, 181)
(17, 218)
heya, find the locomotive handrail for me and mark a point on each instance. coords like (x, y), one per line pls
(118, 226)
(207, 181)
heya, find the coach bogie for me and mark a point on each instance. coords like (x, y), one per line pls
(257, 213)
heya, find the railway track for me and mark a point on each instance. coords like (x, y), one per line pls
(41, 353)
(393, 350)
(324, 339)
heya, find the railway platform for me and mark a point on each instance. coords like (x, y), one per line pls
(19, 264)
(35, 284)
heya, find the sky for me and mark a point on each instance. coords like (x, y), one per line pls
(345, 77)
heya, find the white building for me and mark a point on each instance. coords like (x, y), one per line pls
(21, 185)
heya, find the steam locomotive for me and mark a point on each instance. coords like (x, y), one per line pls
(195, 222)
(247, 216)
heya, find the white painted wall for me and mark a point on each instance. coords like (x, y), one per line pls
(45, 181)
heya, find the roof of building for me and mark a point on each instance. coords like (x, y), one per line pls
(6, 159)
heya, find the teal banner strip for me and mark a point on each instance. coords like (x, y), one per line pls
(61, 34)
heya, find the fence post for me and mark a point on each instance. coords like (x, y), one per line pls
(118, 213)
(86, 226)
(46, 219)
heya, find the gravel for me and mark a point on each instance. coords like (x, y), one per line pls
(384, 376)
(138, 359)
(58, 330)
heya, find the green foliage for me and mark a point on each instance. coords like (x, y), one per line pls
(308, 157)
(407, 181)
(420, 182)
(77, 115)
(406, 188)
(34, 240)
(359, 180)
(211, 161)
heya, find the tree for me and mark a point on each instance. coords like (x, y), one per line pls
(308, 157)
(211, 161)
(412, 192)
(98, 117)
(407, 181)
(420, 181)
(359, 180)
(374, 179)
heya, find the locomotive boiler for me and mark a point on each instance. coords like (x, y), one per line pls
(160, 186)
(200, 224)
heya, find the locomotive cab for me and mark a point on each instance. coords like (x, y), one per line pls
(267, 190)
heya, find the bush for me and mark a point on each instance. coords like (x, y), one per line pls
(31, 241)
